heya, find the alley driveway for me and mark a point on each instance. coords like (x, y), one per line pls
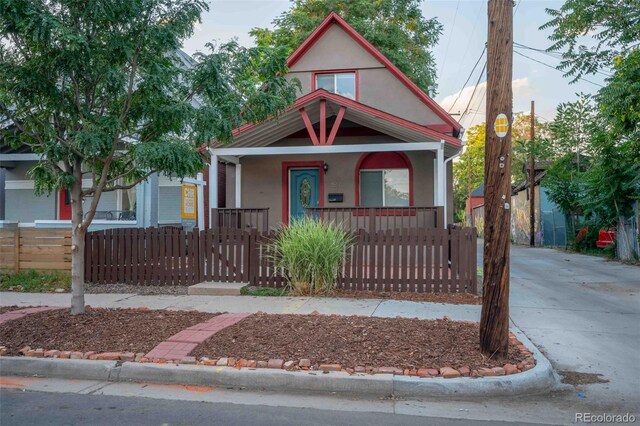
(583, 312)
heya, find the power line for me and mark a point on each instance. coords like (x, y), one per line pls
(474, 89)
(468, 78)
(453, 26)
(553, 54)
(552, 67)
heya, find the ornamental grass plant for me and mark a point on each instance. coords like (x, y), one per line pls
(311, 253)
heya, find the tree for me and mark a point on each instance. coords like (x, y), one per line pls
(592, 33)
(100, 90)
(469, 169)
(522, 147)
(395, 27)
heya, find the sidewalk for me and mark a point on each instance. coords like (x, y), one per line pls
(252, 304)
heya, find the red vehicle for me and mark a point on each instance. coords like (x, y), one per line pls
(606, 237)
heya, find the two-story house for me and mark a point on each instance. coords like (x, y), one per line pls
(360, 135)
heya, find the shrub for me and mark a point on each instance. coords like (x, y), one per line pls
(311, 253)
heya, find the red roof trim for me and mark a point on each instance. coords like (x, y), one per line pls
(334, 18)
(350, 103)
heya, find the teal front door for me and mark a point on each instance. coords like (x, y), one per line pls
(304, 191)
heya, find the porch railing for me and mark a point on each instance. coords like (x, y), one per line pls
(373, 219)
(241, 219)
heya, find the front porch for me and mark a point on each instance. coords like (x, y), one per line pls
(332, 152)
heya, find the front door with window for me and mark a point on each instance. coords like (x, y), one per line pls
(304, 191)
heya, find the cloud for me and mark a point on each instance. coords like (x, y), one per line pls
(457, 102)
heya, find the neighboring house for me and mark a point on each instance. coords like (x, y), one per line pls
(360, 135)
(156, 201)
(474, 200)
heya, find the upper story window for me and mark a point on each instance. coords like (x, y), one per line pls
(341, 83)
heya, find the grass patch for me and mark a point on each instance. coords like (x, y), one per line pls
(262, 291)
(35, 282)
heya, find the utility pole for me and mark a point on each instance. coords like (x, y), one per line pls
(469, 189)
(532, 181)
(494, 321)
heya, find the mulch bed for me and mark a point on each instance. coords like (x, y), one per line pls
(5, 309)
(353, 341)
(100, 330)
(454, 298)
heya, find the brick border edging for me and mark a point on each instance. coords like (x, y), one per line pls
(21, 313)
(180, 345)
(177, 348)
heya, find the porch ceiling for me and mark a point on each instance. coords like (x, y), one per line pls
(290, 122)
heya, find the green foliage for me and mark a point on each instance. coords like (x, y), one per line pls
(312, 253)
(35, 282)
(469, 169)
(591, 33)
(102, 91)
(522, 148)
(262, 291)
(395, 27)
(599, 174)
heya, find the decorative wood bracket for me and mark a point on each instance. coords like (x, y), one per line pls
(322, 139)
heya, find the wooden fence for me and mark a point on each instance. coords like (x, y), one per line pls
(422, 260)
(146, 256)
(410, 260)
(35, 248)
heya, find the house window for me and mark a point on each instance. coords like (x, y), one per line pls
(384, 180)
(384, 188)
(343, 83)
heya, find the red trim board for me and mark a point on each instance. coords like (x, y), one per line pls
(334, 18)
(383, 160)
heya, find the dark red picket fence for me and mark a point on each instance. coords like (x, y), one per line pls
(407, 259)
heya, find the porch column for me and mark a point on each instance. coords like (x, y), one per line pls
(200, 200)
(2, 192)
(238, 186)
(440, 190)
(213, 186)
(147, 202)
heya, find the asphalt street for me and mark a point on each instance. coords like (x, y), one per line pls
(39, 409)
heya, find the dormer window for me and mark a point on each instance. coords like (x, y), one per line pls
(341, 83)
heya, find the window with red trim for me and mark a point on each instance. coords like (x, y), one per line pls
(384, 180)
(341, 83)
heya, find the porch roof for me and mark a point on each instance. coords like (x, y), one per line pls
(290, 121)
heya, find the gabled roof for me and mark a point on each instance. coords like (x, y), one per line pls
(334, 18)
(479, 191)
(290, 122)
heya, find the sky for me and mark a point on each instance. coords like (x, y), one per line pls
(463, 39)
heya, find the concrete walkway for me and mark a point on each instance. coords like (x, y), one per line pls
(251, 304)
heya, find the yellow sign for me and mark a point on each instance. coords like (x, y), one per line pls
(501, 125)
(189, 202)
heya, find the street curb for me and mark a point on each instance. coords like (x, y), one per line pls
(538, 379)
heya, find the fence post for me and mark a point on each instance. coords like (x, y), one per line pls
(215, 217)
(16, 258)
(372, 220)
(440, 217)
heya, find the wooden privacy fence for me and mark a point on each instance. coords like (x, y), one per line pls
(408, 260)
(35, 248)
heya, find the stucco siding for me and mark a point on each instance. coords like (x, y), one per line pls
(378, 87)
(262, 180)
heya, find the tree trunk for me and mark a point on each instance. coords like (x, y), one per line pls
(77, 249)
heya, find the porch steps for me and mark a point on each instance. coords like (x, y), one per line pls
(212, 288)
